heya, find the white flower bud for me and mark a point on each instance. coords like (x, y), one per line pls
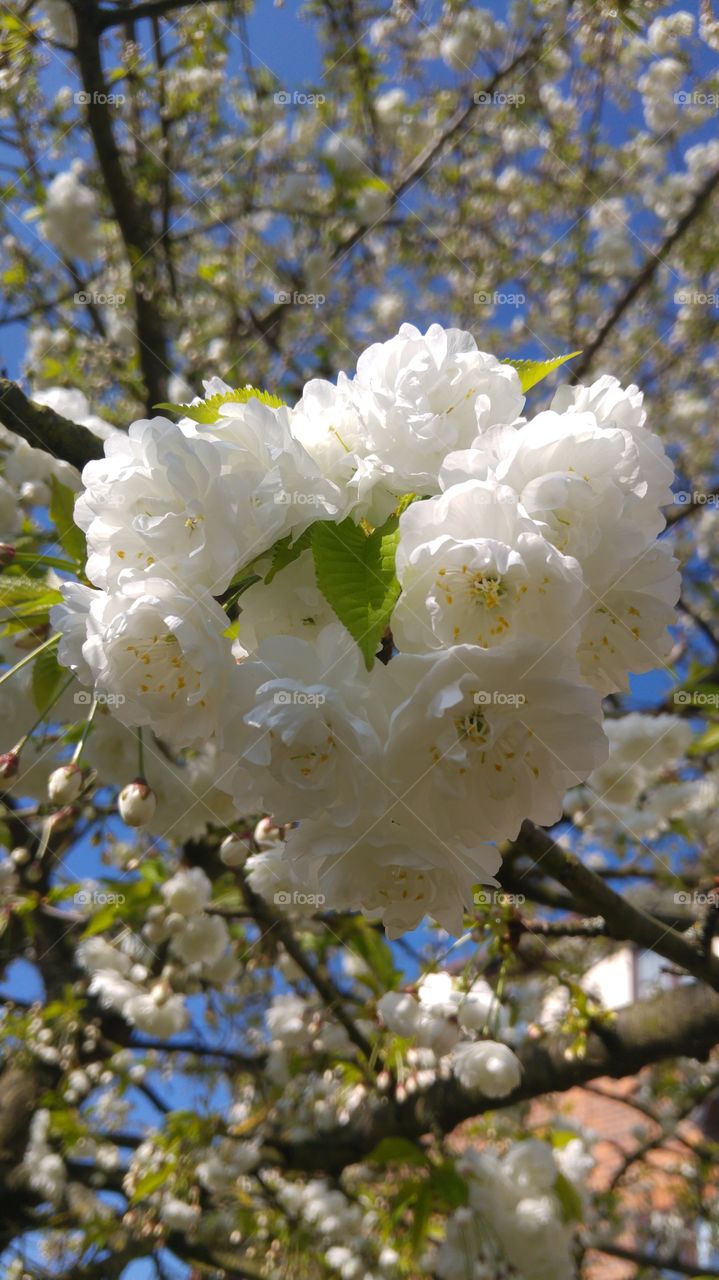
(234, 852)
(65, 784)
(267, 831)
(136, 803)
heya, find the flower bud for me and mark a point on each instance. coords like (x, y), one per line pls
(137, 803)
(268, 831)
(7, 554)
(20, 856)
(9, 764)
(234, 852)
(65, 784)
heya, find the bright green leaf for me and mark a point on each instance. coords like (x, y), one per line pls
(287, 550)
(62, 509)
(569, 1198)
(20, 589)
(207, 411)
(533, 371)
(150, 1182)
(47, 676)
(356, 575)
(708, 742)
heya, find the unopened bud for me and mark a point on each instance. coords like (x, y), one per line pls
(268, 831)
(20, 856)
(160, 992)
(9, 764)
(65, 784)
(234, 852)
(137, 803)
(7, 554)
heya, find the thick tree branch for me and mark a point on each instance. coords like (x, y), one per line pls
(133, 216)
(148, 9)
(625, 922)
(663, 1264)
(45, 429)
(682, 1021)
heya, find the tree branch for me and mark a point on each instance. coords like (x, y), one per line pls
(683, 1021)
(148, 9)
(644, 276)
(662, 1264)
(133, 216)
(45, 429)
(625, 922)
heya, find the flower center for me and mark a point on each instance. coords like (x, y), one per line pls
(472, 727)
(484, 587)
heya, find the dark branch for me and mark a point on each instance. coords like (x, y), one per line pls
(682, 1021)
(644, 276)
(625, 922)
(45, 429)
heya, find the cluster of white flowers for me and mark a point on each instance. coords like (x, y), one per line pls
(517, 1220)
(150, 1005)
(345, 1227)
(641, 787)
(42, 1168)
(437, 1019)
(71, 213)
(529, 582)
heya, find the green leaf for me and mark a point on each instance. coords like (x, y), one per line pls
(368, 943)
(20, 589)
(708, 742)
(533, 371)
(47, 676)
(25, 602)
(569, 1198)
(62, 513)
(102, 920)
(150, 1182)
(401, 1150)
(449, 1184)
(421, 1215)
(208, 411)
(285, 551)
(356, 575)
